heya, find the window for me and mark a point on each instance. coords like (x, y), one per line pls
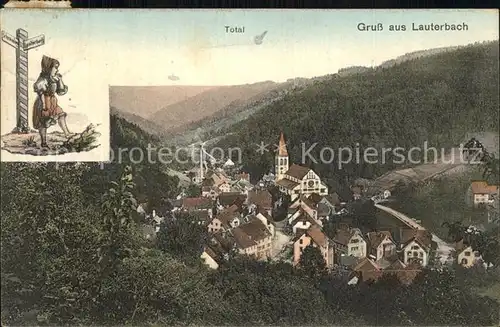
(296, 191)
(476, 254)
(301, 241)
(420, 254)
(415, 253)
(415, 247)
(354, 248)
(464, 261)
(408, 253)
(467, 253)
(355, 241)
(323, 190)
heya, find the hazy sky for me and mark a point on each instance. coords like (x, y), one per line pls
(144, 47)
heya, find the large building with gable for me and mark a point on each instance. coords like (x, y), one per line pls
(295, 180)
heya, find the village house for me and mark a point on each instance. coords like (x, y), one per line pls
(307, 205)
(262, 200)
(350, 242)
(466, 256)
(295, 179)
(482, 193)
(227, 199)
(364, 271)
(381, 245)
(200, 217)
(357, 245)
(225, 220)
(253, 239)
(209, 257)
(323, 206)
(316, 238)
(267, 221)
(416, 247)
(302, 220)
(218, 248)
(303, 203)
(241, 185)
(196, 203)
(368, 270)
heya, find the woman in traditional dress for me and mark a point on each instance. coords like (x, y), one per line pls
(46, 111)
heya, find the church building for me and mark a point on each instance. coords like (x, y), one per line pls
(295, 180)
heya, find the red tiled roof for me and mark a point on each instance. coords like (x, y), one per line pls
(211, 253)
(482, 187)
(342, 236)
(228, 198)
(424, 237)
(368, 270)
(193, 203)
(228, 215)
(286, 183)
(317, 235)
(261, 198)
(297, 171)
(405, 273)
(308, 202)
(375, 238)
(304, 216)
(249, 234)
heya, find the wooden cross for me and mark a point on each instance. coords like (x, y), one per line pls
(22, 44)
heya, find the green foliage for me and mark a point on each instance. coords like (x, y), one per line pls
(444, 199)
(435, 99)
(193, 191)
(152, 184)
(182, 238)
(486, 242)
(117, 208)
(49, 237)
(312, 262)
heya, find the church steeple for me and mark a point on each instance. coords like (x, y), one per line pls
(282, 146)
(281, 160)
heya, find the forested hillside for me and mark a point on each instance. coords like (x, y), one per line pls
(437, 99)
(144, 123)
(72, 259)
(153, 185)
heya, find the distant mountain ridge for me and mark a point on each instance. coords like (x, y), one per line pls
(207, 103)
(145, 124)
(146, 100)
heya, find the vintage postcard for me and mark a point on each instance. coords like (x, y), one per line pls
(266, 168)
(53, 105)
